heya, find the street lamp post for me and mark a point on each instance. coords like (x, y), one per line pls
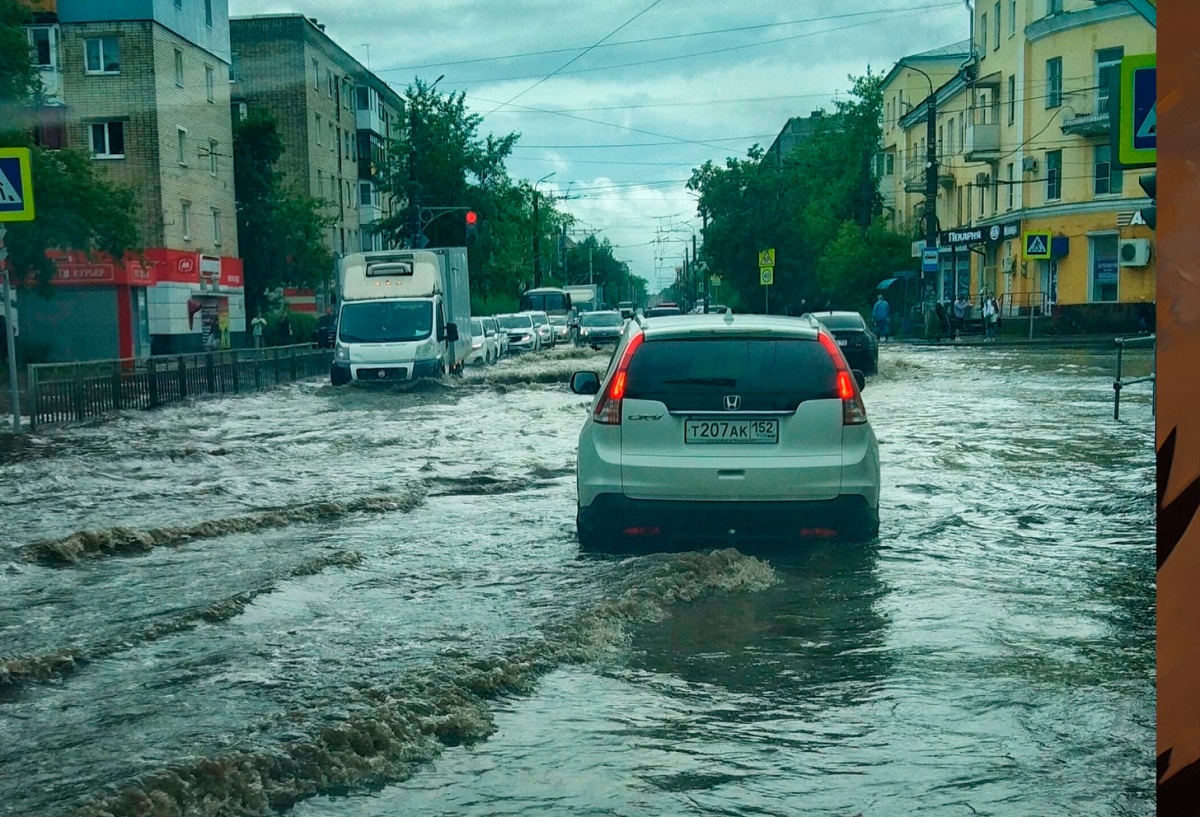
(537, 233)
(931, 170)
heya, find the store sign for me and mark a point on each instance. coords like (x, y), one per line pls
(86, 274)
(972, 236)
(1106, 270)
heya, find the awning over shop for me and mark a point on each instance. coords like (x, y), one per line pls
(902, 275)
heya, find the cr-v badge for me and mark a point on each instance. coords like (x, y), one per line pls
(632, 417)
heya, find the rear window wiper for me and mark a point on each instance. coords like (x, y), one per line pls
(702, 381)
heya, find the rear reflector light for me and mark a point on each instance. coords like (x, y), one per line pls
(818, 533)
(642, 531)
(608, 407)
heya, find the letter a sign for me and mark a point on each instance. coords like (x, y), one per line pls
(1036, 246)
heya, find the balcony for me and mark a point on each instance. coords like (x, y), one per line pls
(914, 177)
(982, 142)
(1086, 114)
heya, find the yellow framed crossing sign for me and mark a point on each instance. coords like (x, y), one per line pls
(766, 276)
(766, 258)
(16, 185)
(1137, 144)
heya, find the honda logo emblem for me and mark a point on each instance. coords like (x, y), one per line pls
(733, 402)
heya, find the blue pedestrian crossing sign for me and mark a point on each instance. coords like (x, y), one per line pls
(1036, 246)
(16, 185)
(1138, 137)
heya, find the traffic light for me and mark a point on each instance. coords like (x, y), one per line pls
(472, 227)
(1149, 183)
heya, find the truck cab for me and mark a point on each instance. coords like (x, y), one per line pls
(398, 317)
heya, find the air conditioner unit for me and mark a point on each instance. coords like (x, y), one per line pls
(981, 179)
(1008, 263)
(1029, 165)
(1134, 252)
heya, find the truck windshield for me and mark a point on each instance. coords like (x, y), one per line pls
(386, 321)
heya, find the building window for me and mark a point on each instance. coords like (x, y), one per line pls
(178, 68)
(108, 140)
(363, 95)
(102, 56)
(212, 157)
(962, 130)
(332, 140)
(1106, 180)
(41, 51)
(319, 129)
(316, 75)
(208, 13)
(1011, 185)
(1102, 251)
(1053, 7)
(995, 185)
(216, 216)
(1054, 78)
(347, 94)
(1012, 99)
(185, 220)
(1053, 175)
(996, 38)
(1107, 60)
(182, 134)
(364, 194)
(1012, 17)
(981, 193)
(320, 184)
(210, 82)
(983, 35)
(329, 83)
(950, 138)
(958, 201)
(889, 164)
(1049, 274)
(235, 72)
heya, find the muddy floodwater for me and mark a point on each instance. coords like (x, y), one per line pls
(342, 603)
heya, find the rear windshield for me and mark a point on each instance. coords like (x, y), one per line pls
(514, 322)
(842, 321)
(660, 311)
(698, 374)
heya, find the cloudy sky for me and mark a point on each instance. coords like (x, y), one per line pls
(620, 99)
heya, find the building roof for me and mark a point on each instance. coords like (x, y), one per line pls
(960, 50)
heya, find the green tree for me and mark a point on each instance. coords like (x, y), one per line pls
(820, 211)
(78, 208)
(281, 233)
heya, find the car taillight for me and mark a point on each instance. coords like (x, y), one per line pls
(854, 413)
(608, 407)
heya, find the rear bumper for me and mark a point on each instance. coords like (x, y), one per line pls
(603, 340)
(624, 523)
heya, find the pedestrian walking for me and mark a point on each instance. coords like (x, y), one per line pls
(960, 315)
(256, 327)
(991, 316)
(882, 313)
(933, 325)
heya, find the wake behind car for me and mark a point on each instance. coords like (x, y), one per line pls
(859, 344)
(722, 429)
(598, 329)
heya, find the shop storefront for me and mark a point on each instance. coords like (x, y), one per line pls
(197, 304)
(973, 260)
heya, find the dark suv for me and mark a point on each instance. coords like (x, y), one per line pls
(859, 344)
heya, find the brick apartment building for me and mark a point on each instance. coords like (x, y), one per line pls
(143, 86)
(335, 117)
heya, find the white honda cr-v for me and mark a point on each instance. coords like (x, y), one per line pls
(725, 429)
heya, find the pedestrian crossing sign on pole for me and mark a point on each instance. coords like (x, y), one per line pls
(766, 276)
(766, 258)
(16, 185)
(1036, 246)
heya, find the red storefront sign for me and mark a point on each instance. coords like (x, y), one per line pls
(76, 269)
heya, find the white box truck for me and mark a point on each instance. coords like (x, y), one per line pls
(403, 314)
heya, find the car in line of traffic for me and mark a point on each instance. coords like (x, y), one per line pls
(859, 344)
(598, 329)
(725, 430)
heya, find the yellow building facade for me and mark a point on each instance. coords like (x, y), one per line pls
(1024, 155)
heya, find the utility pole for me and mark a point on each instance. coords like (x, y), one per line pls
(704, 223)
(14, 394)
(417, 238)
(698, 270)
(591, 269)
(931, 172)
(537, 242)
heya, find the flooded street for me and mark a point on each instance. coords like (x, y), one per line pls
(351, 603)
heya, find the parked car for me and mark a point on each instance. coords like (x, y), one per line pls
(859, 344)
(706, 430)
(492, 328)
(484, 348)
(541, 324)
(562, 328)
(522, 336)
(326, 331)
(598, 329)
(663, 310)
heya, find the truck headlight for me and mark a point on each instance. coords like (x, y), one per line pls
(426, 349)
(341, 352)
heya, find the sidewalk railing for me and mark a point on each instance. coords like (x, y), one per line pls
(1120, 382)
(69, 392)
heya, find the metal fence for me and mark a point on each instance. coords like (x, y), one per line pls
(69, 392)
(1120, 382)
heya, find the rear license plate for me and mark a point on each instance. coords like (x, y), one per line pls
(731, 431)
(843, 342)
